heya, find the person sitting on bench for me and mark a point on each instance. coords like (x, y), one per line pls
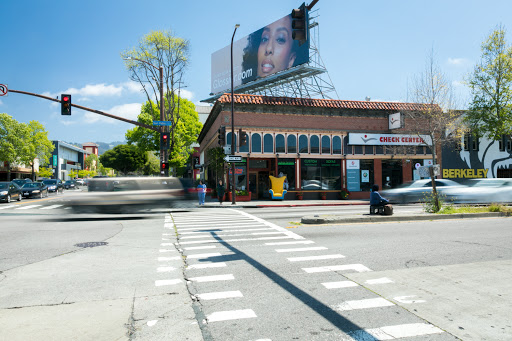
(377, 200)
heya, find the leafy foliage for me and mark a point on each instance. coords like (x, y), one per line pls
(490, 111)
(124, 158)
(92, 162)
(45, 172)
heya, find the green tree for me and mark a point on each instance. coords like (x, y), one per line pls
(92, 162)
(124, 158)
(490, 112)
(160, 49)
(37, 146)
(13, 136)
(186, 130)
(45, 172)
(215, 162)
(152, 166)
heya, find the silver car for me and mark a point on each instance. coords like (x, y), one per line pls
(418, 191)
(482, 191)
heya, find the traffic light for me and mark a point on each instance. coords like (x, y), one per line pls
(222, 136)
(164, 141)
(65, 104)
(300, 24)
(164, 166)
(243, 137)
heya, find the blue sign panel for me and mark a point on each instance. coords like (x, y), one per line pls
(162, 123)
(353, 180)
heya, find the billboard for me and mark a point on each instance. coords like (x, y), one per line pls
(264, 52)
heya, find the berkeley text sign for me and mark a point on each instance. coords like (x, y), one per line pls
(389, 139)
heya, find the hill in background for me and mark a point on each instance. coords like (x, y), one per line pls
(102, 146)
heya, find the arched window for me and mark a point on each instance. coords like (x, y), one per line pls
(255, 143)
(326, 145)
(292, 144)
(245, 148)
(228, 141)
(336, 145)
(314, 143)
(268, 143)
(303, 144)
(280, 143)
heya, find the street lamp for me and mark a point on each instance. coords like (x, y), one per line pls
(233, 201)
(163, 154)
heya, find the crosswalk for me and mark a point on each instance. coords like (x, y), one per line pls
(215, 272)
(30, 207)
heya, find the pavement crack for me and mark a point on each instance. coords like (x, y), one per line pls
(42, 305)
(131, 320)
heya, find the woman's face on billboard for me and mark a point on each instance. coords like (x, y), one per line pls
(275, 50)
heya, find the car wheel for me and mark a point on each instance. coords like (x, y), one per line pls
(8, 198)
(19, 197)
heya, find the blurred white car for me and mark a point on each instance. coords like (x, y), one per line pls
(482, 191)
(417, 191)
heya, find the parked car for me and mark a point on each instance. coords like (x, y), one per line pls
(34, 190)
(417, 191)
(70, 184)
(54, 185)
(21, 182)
(482, 191)
(9, 191)
(129, 195)
(80, 182)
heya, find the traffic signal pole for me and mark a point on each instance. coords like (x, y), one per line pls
(232, 182)
(164, 156)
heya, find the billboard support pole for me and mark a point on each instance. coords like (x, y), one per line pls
(232, 182)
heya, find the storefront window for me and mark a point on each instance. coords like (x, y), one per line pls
(286, 167)
(326, 145)
(256, 143)
(245, 148)
(292, 144)
(303, 144)
(280, 143)
(240, 174)
(317, 174)
(358, 149)
(367, 179)
(314, 143)
(228, 140)
(336, 145)
(268, 143)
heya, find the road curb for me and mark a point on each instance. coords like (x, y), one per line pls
(378, 218)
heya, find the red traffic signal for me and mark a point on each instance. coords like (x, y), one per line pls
(164, 141)
(164, 166)
(65, 104)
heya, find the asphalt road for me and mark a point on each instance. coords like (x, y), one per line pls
(251, 274)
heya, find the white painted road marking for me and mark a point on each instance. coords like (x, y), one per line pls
(206, 266)
(228, 277)
(8, 206)
(205, 255)
(201, 247)
(301, 249)
(163, 282)
(355, 267)
(396, 332)
(407, 299)
(300, 259)
(291, 243)
(230, 315)
(363, 304)
(27, 207)
(219, 295)
(165, 259)
(165, 269)
(166, 250)
(342, 284)
(50, 207)
(383, 280)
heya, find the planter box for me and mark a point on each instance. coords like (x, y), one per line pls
(240, 197)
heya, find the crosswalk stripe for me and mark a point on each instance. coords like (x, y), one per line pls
(165, 269)
(208, 231)
(213, 227)
(300, 259)
(363, 304)
(219, 295)
(50, 207)
(291, 243)
(8, 206)
(231, 240)
(383, 280)
(355, 267)
(338, 285)
(205, 255)
(300, 249)
(396, 332)
(27, 207)
(200, 247)
(165, 259)
(214, 278)
(230, 315)
(163, 282)
(207, 266)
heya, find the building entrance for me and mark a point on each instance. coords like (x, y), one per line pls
(391, 173)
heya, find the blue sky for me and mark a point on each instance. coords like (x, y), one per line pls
(371, 48)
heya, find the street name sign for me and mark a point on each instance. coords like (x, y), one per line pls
(162, 123)
(233, 158)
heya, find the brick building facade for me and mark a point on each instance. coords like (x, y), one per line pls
(322, 146)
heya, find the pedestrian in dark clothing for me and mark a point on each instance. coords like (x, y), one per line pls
(375, 197)
(220, 191)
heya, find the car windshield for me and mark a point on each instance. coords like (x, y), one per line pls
(3, 186)
(32, 185)
(50, 182)
(69, 181)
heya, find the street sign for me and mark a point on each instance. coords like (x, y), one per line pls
(3, 90)
(162, 123)
(233, 158)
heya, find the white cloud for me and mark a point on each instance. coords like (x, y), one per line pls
(458, 61)
(458, 83)
(68, 123)
(132, 86)
(1, 102)
(96, 90)
(129, 111)
(186, 94)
